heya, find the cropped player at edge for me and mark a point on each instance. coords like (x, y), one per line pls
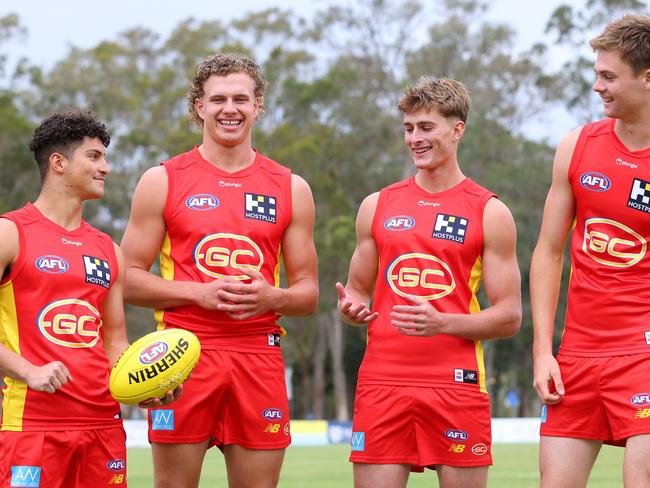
(597, 388)
(224, 217)
(423, 247)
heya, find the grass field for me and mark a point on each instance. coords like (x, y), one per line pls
(515, 466)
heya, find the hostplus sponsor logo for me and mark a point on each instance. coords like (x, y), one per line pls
(450, 227)
(639, 198)
(260, 207)
(98, 271)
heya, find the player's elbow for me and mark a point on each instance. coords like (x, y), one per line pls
(511, 321)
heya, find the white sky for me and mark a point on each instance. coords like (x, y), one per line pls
(55, 26)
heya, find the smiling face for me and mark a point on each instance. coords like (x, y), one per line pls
(228, 109)
(622, 91)
(432, 138)
(85, 169)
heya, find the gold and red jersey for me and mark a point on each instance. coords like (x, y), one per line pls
(429, 246)
(608, 310)
(51, 310)
(217, 223)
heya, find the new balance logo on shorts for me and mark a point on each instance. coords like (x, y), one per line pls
(162, 420)
(450, 227)
(273, 340)
(97, 271)
(358, 441)
(466, 376)
(26, 476)
(260, 207)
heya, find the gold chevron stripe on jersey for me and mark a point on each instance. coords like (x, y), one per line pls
(13, 401)
(167, 272)
(475, 276)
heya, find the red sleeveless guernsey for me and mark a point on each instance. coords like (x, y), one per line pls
(429, 245)
(608, 310)
(51, 310)
(218, 222)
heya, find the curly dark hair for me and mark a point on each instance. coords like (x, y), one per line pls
(224, 64)
(63, 132)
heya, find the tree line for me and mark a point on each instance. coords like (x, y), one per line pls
(331, 116)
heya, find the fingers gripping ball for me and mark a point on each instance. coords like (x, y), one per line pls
(153, 365)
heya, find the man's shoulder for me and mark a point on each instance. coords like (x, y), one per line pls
(272, 166)
(181, 160)
(398, 185)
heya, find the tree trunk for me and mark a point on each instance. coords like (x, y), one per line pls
(337, 347)
(318, 368)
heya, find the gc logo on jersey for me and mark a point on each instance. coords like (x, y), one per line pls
(97, 271)
(202, 201)
(421, 275)
(612, 243)
(52, 264)
(260, 207)
(399, 223)
(223, 254)
(450, 227)
(594, 181)
(640, 195)
(70, 323)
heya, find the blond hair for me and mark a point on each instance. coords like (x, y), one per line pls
(223, 65)
(449, 97)
(629, 37)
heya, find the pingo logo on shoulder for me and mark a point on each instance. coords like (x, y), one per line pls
(594, 181)
(399, 223)
(70, 323)
(223, 254)
(52, 264)
(202, 201)
(613, 244)
(421, 275)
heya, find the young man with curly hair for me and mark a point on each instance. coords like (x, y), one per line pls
(223, 217)
(61, 320)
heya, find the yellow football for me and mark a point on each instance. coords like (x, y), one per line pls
(153, 365)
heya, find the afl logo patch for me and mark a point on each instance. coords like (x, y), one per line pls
(399, 222)
(202, 201)
(52, 264)
(594, 181)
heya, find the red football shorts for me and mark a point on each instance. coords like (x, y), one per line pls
(63, 459)
(231, 398)
(607, 398)
(421, 426)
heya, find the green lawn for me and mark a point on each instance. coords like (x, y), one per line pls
(515, 466)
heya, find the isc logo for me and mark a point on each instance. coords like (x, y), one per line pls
(219, 255)
(400, 222)
(272, 414)
(612, 244)
(153, 353)
(421, 275)
(641, 400)
(70, 323)
(116, 465)
(202, 201)
(456, 435)
(593, 181)
(52, 264)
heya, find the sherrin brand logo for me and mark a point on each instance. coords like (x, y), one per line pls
(421, 275)
(52, 264)
(153, 353)
(399, 223)
(612, 243)
(70, 323)
(222, 254)
(594, 181)
(640, 400)
(202, 201)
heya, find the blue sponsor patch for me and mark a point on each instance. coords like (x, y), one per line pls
(26, 476)
(202, 201)
(358, 441)
(52, 264)
(162, 420)
(543, 416)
